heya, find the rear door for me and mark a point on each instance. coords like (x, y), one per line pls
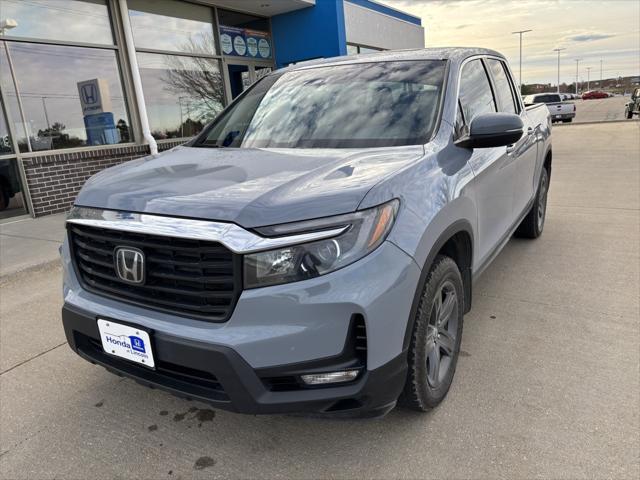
(491, 166)
(523, 154)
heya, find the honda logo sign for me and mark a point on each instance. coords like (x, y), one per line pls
(129, 264)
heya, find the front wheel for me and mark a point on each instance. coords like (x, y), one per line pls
(628, 113)
(436, 336)
(533, 223)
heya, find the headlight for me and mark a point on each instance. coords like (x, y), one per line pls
(365, 231)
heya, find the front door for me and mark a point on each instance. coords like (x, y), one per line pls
(239, 79)
(492, 167)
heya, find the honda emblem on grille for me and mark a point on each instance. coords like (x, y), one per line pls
(129, 264)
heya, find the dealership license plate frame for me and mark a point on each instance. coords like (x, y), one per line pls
(118, 329)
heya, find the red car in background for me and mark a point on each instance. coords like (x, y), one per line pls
(594, 94)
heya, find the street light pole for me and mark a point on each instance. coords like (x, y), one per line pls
(558, 50)
(577, 62)
(588, 72)
(601, 78)
(520, 32)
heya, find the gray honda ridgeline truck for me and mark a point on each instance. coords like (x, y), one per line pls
(314, 248)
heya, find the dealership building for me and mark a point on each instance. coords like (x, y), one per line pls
(87, 84)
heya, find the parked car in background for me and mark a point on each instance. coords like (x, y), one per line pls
(633, 106)
(560, 111)
(314, 248)
(593, 94)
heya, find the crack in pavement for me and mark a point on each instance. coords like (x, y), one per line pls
(32, 358)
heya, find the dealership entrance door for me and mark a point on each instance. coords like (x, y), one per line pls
(243, 74)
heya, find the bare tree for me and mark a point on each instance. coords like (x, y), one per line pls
(197, 78)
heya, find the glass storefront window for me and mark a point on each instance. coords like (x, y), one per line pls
(71, 96)
(63, 20)
(172, 26)
(242, 20)
(182, 94)
(243, 35)
(11, 199)
(5, 140)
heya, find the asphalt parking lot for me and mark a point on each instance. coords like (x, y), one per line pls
(601, 109)
(547, 384)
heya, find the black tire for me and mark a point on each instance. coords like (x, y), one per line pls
(628, 113)
(433, 337)
(533, 224)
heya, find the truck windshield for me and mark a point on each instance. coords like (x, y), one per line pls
(348, 106)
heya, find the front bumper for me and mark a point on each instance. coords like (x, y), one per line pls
(563, 116)
(219, 376)
(301, 327)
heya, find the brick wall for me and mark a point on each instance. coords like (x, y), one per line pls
(55, 179)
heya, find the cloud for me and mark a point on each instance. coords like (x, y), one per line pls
(588, 37)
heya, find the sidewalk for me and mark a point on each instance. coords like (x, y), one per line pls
(30, 242)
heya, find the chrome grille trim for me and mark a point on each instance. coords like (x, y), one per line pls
(232, 236)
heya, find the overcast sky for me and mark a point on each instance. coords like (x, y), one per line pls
(588, 29)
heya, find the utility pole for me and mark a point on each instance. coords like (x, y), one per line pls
(588, 72)
(520, 32)
(558, 50)
(601, 78)
(577, 62)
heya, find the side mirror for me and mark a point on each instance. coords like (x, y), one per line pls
(492, 130)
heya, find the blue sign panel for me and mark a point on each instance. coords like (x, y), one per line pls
(101, 129)
(241, 42)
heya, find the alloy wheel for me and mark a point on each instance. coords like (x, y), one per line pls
(542, 199)
(441, 334)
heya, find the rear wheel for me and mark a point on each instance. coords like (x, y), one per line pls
(533, 223)
(436, 336)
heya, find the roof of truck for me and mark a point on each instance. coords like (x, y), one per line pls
(446, 53)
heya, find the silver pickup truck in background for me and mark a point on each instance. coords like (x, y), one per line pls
(560, 110)
(314, 248)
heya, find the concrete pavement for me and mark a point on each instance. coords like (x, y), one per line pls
(28, 242)
(547, 385)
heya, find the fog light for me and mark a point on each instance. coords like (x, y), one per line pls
(330, 377)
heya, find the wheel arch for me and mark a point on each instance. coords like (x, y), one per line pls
(456, 242)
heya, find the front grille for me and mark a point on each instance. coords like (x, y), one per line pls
(192, 278)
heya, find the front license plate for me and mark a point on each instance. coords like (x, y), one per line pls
(126, 342)
(558, 116)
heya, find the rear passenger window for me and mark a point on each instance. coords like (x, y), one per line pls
(504, 93)
(475, 91)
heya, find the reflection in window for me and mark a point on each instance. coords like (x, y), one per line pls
(172, 26)
(349, 106)
(11, 201)
(475, 91)
(503, 87)
(78, 102)
(182, 94)
(67, 20)
(5, 140)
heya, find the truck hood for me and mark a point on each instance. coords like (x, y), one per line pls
(250, 187)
